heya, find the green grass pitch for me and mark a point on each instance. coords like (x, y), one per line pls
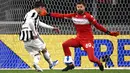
(71, 71)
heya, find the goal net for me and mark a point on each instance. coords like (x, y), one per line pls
(112, 14)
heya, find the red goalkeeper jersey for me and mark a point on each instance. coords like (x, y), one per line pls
(82, 24)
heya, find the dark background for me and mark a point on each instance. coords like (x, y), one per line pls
(115, 16)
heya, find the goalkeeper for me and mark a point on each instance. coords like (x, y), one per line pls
(82, 21)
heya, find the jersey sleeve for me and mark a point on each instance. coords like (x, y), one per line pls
(60, 15)
(96, 24)
(45, 25)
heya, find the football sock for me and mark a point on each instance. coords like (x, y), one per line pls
(47, 57)
(36, 59)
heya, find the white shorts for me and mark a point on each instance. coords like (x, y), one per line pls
(34, 46)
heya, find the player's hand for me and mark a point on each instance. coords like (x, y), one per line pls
(35, 37)
(56, 29)
(114, 33)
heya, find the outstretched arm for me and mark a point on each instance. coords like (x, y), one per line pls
(60, 15)
(45, 25)
(48, 26)
(100, 27)
(96, 24)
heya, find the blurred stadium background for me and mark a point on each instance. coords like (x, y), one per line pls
(113, 14)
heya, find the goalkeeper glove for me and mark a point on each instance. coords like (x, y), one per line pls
(113, 33)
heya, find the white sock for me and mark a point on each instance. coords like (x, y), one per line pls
(47, 58)
(36, 59)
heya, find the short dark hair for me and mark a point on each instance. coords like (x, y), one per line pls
(81, 2)
(38, 4)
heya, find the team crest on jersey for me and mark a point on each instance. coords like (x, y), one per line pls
(84, 16)
(76, 16)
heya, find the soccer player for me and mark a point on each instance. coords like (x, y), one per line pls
(82, 21)
(30, 36)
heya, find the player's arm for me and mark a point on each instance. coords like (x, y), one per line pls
(45, 25)
(60, 15)
(100, 27)
(48, 26)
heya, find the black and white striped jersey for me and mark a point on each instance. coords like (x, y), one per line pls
(30, 26)
(26, 35)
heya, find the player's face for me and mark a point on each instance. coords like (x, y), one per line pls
(80, 8)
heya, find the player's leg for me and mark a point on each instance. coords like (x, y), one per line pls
(35, 55)
(46, 55)
(36, 62)
(48, 59)
(89, 49)
(68, 59)
(69, 43)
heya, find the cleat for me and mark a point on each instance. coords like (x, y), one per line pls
(69, 67)
(54, 64)
(101, 67)
(37, 68)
